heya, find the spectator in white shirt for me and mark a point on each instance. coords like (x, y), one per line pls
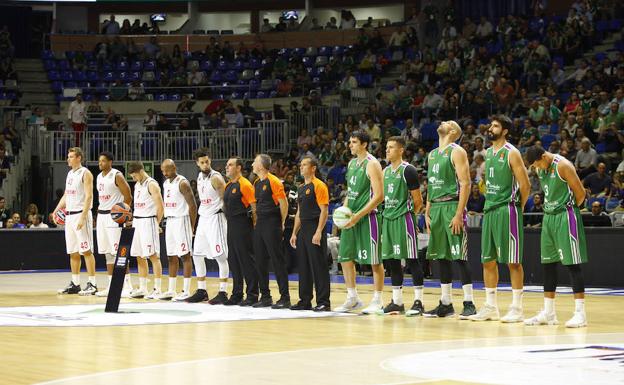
(398, 38)
(484, 29)
(76, 116)
(37, 222)
(348, 83)
(196, 78)
(150, 119)
(112, 27)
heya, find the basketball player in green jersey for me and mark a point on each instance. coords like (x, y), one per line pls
(507, 190)
(359, 240)
(448, 190)
(563, 236)
(402, 199)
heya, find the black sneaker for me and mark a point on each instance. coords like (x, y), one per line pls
(249, 301)
(265, 301)
(235, 299)
(322, 307)
(393, 308)
(200, 295)
(70, 289)
(300, 306)
(283, 303)
(416, 310)
(440, 311)
(219, 299)
(90, 289)
(469, 309)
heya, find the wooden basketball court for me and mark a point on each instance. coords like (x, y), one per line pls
(329, 350)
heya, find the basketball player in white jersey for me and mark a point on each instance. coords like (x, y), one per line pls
(148, 212)
(211, 236)
(78, 201)
(181, 214)
(112, 189)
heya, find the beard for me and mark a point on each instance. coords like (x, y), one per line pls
(493, 137)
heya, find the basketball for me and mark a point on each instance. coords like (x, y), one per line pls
(342, 215)
(59, 216)
(120, 212)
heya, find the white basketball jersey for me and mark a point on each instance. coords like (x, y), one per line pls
(144, 205)
(108, 192)
(74, 190)
(209, 198)
(175, 204)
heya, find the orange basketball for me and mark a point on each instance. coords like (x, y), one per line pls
(121, 213)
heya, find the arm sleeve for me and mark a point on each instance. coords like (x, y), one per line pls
(277, 188)
(248, 193)
(411, 177)
(321, 192)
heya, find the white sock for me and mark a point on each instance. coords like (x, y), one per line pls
(418, 293)
(201, 285)
(92, 280)
(187, 285)
(157, 284)
(397, 295)
(352, 292)
(446, 293)
(76, 279)
(172, 284)
(128, 281)
(377, 296)
(516, 298)
(579, 305)
(223, 286)
(490, 296)
(142, 284)
(549, 305)
(110, 278)
(467, 292)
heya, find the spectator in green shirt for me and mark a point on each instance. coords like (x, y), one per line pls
(614, 116)
(530, 134)
(536, 112)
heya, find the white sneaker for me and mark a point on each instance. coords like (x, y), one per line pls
(102, 293)
(375, 307)
(514, 314)
(138, 293)
(486, 313)
(349, 305)
(181, 297)
(542, 318)
(578, 320)
(126, 292)
(167, 296)
(155, 294)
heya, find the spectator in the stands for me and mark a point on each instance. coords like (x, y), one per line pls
(484, 30)
(111, 27)
(151, 48)
(149, 121)
(126, 28)
(619, 97)
(136, 29)
(5, 212)
(586, 159)
(37, 222)
(398, 39)
(535, 220)
(331, 24)
(615, 116)
(348, 84)
(17, 221)
(347, 20)
(613, 142)
(136, 91)
(530, 135)
(94, 106)
(163, 124)
(185, 105)
(476, 202)
(179, 78)
(315, 26)
(266, 26)
(77, 117)
(373, 130)
(196, 78)
(598, 183)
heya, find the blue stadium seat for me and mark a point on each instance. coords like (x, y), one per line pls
(231, 76)
(223, 65)
(547, 140)
(63, 65)
(92, 76)
(80, 76)
(429, 131)
(601, 147)
(149, 65)
(206, 65)
(49, 65)
(137, 65)
(54, 75)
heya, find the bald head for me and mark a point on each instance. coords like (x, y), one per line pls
(450, 129)
(168, 168)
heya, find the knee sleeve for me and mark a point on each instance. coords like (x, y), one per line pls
(418, 276)
(224, 267)
(200, 266)
(576, 276)
(396, 271)
(110, 259)
(550, 277)
(446, 271)
(464, 272)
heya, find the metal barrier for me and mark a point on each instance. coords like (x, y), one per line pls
(11, 187)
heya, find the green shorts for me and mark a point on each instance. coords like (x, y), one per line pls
(563, 238)
(443, 244)
(399, 237)
(502, 235)
(360, 243)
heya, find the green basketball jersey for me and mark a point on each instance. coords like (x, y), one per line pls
(359, 190)
(500, 184)
(397, 199)
(557, 193)
(442, 180)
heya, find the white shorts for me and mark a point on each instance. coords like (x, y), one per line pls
(78, 241)
(211, 236)
(108, 233)
(146, 241)
(179, 236)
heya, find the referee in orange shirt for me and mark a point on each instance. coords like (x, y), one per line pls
(240, 212)
(310, 240)
(271, 211)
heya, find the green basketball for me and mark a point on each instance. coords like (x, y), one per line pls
(342, 215)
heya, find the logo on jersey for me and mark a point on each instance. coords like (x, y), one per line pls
(264, 188)
(307, 191)
(234, 190)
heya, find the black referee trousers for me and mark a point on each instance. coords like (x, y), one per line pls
(240, 256)
(268, 247)
(312, 264)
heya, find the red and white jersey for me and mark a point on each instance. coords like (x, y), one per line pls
(175, 204)
(108, 192)
(144, 205)
(209, 198)
(74, 190)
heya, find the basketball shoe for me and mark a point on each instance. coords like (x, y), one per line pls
(393, 308)
(181, 297)
(375, 307)
(90, 289)
(486, 313)
(440, 311)
(70, 289)
(514, 314)
(416, 309)
(200, 295)
(167, 296)
(578, 320)
(469, 309)
(350, 304)
(542, 318)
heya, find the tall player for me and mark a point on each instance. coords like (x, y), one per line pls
(148, 213)
(398, 229)
(445, 217)
(359, 240)
(563, 236)
(211, 234)
(181, 214)
(78, 201)
(502, 234)
(112, 188)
